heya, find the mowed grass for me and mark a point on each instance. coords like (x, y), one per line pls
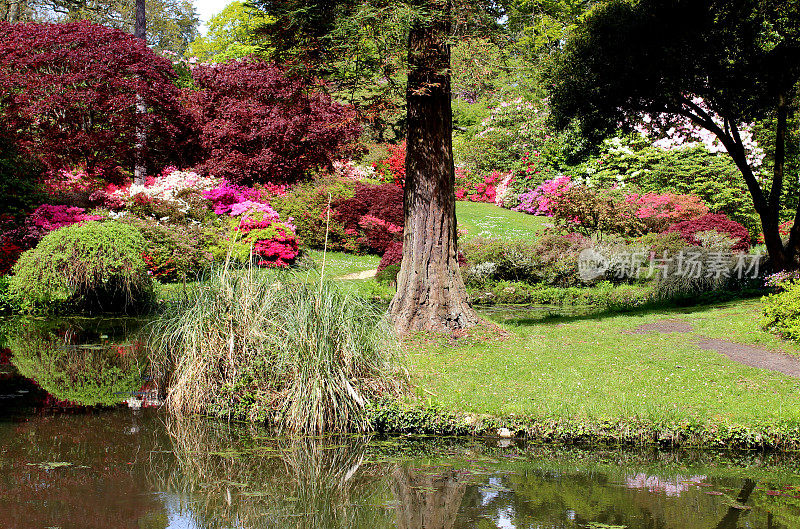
(487, 220)
(592, 368)
(339, 264)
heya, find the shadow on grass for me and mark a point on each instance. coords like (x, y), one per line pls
(552, 315)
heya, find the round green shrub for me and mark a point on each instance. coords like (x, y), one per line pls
(781, 311)
(93, 266)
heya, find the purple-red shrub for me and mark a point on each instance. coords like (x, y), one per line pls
(9, 253)
(392, 256)
(259, 125)
(373, 216)
(713, 222)
(68, 96)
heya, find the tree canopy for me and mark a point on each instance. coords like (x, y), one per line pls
(717, 64)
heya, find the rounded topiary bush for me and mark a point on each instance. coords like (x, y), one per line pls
(94, 266)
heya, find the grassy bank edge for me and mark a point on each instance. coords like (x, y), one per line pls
(392, 417)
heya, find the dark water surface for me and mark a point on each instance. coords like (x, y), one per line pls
(66, 463)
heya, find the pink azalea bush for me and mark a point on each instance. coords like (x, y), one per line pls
(658, 211)
(50, 218)
(542, 199)
(475, 188)
(226, 195)
(273, 243)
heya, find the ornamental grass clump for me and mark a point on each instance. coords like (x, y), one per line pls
(91, 266)
(300, 355)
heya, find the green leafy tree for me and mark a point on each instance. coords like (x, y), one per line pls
(232, 34)
(431, 293)
(716, 64)
(171, 24)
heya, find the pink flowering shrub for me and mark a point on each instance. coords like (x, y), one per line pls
(268, 241)
(226, 195)
(543, 199)
(658, 211)
(50, 218)
(474, 188)
(46, 218)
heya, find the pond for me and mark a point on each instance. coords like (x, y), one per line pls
(67, 463)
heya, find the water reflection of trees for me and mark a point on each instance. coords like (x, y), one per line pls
(233, 475)
(80, 361)
(100, 482)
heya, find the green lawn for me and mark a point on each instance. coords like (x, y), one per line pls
(488, 220)
(339, 264)
(590, 368)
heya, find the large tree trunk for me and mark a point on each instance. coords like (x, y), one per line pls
(139, 168)
(430, 291)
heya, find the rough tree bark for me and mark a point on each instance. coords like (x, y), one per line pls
(139, 168)
(430, 291)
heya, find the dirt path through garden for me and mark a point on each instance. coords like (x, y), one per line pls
(366, 274)
(749, 355)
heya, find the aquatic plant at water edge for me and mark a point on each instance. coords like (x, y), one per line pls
(301, 355)
(94, 265)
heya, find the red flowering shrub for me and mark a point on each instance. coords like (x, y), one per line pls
(373, 217)
(274, 244)
(392, 256)
(658, 211)
(713, 222)
(474, 188)
(44, 219)
(784, 230)
(393, 168)
(259, 125)
(9, 253)
(68, 96)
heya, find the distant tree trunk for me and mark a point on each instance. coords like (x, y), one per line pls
(14, 10)
(140, 169)
(430, 291)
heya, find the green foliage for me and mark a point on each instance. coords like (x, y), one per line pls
(601, 296)
(781, 311)
(232, 34)
(171, 24)
(302, 355)
(552, 259)
(7, 302)
(512, 129)
(388, 274)
(92, 265)
(172, 253)
(85, 374)
(20, 187)
(307, 204)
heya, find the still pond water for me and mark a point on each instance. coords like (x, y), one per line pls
(67, 463)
